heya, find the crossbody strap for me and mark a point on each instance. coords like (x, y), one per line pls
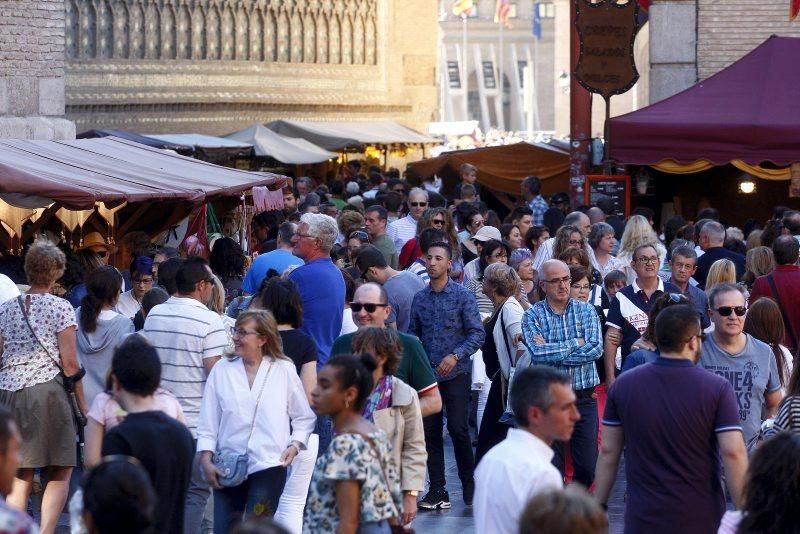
(258, 401)
(33, 332)
(385, 478)
(771, 280)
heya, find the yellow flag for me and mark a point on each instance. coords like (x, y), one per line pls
(463, 8)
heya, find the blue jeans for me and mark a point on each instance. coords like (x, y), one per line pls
(258, 495)
(583, 445)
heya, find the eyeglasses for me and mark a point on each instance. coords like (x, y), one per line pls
(560, 281)
(417, 204)
(501, 256)
(678, 298)
(701, 335)
(368, 307)
(725, 311)
(143, 281)
(648, 261)
(298, 234)
(359, 234)
(438, 222)
(241, 332)
(574, 242)
(580, 287)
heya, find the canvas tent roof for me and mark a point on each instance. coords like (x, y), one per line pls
(78, 173)
(292, 150)
(746, 112)
(184, 149)
(501, 168)
(342, 135)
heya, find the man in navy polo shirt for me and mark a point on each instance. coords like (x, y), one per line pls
(628, 315)
(675, 421)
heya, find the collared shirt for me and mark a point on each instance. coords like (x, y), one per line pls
(401, 231)
(508, 477)
(185, 332)
(629, 311)
(699, 301)
(447, 322)
(538, 205)
(561, 333)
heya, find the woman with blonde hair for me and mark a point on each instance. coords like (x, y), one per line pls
(722, 271)
(759, 261)
(753, 240)
(254, 407)
(638, 232)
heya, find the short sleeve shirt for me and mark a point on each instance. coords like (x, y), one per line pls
(752, 373)
(670, 412)
(401, 289)
(25, 362)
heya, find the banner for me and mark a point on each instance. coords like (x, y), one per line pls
(794, 9)
(502, 13)
(463, 8)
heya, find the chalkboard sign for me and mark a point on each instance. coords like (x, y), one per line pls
(617, 188)
(453, 75)
(489, 81)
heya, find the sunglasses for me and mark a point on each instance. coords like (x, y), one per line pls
(418, 204)
(370, 308)
(438, 222)
(359, 234)
(678, 298)
(725, 311)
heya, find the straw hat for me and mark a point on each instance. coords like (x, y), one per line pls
(94, 239)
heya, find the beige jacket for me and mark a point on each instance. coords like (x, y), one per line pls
(402, 423)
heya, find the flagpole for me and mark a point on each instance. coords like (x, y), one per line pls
(501, 120)
(464, 68)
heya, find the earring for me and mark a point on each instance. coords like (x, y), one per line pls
(347, 404)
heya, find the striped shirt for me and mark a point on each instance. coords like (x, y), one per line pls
(401, 231)
(185, 333)
(788, 418)
(561, 333)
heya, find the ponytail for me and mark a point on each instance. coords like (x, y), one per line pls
(103, 286)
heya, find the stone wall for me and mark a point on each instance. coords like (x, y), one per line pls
(32, 70)
(214, 66)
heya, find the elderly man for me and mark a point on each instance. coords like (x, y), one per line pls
(319, 281)
(712, 237)
(576, 219)
(564, 333)
(370, 307)
(402, 230)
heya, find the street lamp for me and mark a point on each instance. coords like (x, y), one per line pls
(747, 185)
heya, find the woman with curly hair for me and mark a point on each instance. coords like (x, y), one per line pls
(227, 261)
(771, 490)
(638, 232)
(568, 236)
(431, 218)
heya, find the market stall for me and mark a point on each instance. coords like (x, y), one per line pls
(289, 150)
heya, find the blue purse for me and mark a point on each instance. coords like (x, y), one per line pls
(232, 465)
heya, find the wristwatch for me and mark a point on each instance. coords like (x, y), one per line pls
(413, 493)
(457, 357)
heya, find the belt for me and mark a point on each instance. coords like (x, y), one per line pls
(586, 393)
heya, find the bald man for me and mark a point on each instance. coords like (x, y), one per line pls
(545, 251)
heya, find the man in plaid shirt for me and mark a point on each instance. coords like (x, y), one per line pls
(531, 191)
(565, 333)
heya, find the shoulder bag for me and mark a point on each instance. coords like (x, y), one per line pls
(232, 465)
(67, 382)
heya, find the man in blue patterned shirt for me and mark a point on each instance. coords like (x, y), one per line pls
(565, 333)
(445, 317)
(531, 191)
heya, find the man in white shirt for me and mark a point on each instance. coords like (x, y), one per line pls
(190, 339)
(518, 468)
(402, 230)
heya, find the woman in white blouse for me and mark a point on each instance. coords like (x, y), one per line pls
(253, 403)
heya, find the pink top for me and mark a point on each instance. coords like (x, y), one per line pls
(106, 411)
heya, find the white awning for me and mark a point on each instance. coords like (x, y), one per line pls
(291, 150)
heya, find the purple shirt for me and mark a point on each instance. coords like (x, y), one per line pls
(670, 412)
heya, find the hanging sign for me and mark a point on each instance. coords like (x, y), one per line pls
(794, 184)
(606, 30)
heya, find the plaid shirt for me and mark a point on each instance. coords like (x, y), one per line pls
(538, 205)
(561, 333)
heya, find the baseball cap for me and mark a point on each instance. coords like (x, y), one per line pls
(487, 233)
(369, 256)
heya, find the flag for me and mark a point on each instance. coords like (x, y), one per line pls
(794, 9)
(537, 22)
(502, 12)
(463, 8)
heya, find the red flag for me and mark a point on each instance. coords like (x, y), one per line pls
(794, 9)
(502, 13)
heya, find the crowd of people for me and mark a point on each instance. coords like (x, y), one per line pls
(308, 384)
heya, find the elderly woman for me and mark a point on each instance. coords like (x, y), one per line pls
(602, 241)
(521, 260)
(394, 408)
(143, 277)
(37, 343)
(501, 349)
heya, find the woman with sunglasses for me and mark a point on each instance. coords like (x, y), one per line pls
(354, 242)
(253, 404)
(436, 218)
(645, 350)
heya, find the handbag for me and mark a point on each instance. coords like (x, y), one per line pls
(232, 465)
(67, 382)
(524, 361)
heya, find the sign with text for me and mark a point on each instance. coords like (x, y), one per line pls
(453, 75)
(606, 30)
(489, 80)
(616, 187)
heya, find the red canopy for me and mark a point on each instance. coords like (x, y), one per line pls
(749, 111)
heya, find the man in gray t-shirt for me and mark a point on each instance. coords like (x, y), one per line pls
(747, 363)
(400, 286)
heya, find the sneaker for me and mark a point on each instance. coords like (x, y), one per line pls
(434, 500)
(469, 492)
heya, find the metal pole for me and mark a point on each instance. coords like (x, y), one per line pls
(501, 86)
(464, 67)
(580, 107)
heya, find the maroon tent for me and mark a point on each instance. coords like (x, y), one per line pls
(749, 111)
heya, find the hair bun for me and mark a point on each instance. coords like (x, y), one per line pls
(369, 361)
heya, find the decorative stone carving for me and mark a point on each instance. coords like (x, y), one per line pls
(297, 31)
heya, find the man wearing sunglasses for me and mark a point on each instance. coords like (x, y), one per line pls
(371, 308)
(402, 230)
(747, 363)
